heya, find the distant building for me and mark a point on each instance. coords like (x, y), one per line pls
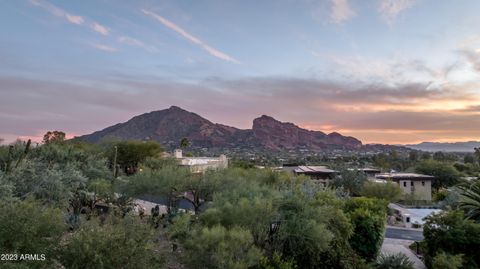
(201, 164)
(411, 217)
(319, 174)
(371, 173)
(418, 185)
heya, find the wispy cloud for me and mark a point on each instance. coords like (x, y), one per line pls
(99, 28)
(390, 9)
(368, 112)
(74, 19)
(58, 12)
(388, 70)
(341, 11)
(469, 48)
(104, 47)
(211, 50)
(136, 43)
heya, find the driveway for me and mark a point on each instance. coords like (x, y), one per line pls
(404, 233)
(393, 246)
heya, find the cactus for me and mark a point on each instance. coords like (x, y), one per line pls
(25, 152)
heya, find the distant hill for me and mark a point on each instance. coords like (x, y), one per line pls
(446, 147)
(170, 125)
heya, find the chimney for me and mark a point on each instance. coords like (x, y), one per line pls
(178, 154)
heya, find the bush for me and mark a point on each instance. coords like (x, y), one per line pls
(389, 191)
(119, 243)
(393, 261)
(446, 261)
(218, 247)
(29, 227)
(351, 181)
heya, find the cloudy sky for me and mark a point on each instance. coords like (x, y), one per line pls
(385, 71)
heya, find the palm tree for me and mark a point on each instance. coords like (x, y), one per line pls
(477, 154)
(184, 143)
(470, 200)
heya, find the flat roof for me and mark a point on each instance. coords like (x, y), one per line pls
(198, 160)
(367, 169)
(416, 214)
(313, 169)
(398, 176)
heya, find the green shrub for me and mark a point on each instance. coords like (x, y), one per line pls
(446, 261)
(393, 261)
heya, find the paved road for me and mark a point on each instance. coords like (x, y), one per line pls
(406, 234)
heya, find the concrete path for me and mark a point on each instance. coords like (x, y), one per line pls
(393, 246)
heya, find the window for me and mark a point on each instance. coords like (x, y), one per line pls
(404, 183)
(423, 183)
(411, 183)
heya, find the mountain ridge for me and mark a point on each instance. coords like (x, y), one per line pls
(467, 146)
(168, 126)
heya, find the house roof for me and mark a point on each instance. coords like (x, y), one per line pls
(399, 176)
(313, 169)
(367, 169)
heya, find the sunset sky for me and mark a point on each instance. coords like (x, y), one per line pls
(384, 71)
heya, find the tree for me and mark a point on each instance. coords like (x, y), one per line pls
(130, 154)
(451, 233)
(12, 155)
(29, 227)
(199, 189)
(439, 156)
(165, 183)
(388, 191)
(477, 154)
(53, 185)
(351, 180)
(413, 155)
(470, 200)
(469, 158)
(184, 143)
(118, 243)
(445, 174)
(368, 217)
(393, 261)
(53, 137)
(303, 226)
(218, 247)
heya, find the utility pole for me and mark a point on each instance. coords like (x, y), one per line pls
(115, 163)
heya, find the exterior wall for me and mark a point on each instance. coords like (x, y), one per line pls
(178, 154)
(422, 189)
(213, 163)
(322, 179)
(201, 168)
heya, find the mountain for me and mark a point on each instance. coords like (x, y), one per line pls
(276, 135)
(446, 147)
(170, 125)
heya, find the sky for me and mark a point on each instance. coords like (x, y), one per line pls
(384, 71)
